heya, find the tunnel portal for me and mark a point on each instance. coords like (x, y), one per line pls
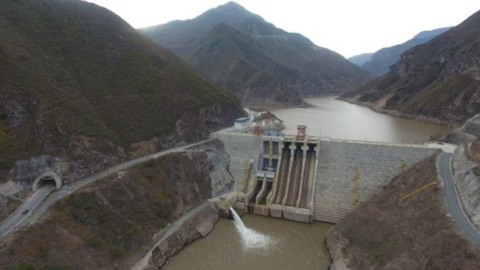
(46, 179)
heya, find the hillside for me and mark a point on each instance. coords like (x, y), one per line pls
(437, 81)
(381, 60)
(252, 58)
(109, 224)
(360, 59)
(397, 233)
(81, 90)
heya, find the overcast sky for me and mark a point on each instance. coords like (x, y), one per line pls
(348, 27)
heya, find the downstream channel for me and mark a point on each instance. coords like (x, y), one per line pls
(337, 119)
(292, 245)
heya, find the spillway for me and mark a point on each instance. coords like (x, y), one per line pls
(295, 177)
(282, 177)
(308, 177)
(285, 191)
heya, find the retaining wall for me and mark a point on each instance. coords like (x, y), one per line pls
(241, 148)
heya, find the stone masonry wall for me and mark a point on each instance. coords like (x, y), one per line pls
(342, 163)
(240, 148)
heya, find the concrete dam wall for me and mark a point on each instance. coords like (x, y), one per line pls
(351, 172)
(244, 151)
(344, 173)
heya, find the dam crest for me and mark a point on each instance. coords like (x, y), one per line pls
(307, 178)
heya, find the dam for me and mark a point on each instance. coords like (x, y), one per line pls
(309, 178)
(283, 187)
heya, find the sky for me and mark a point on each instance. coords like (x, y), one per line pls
(349, 27)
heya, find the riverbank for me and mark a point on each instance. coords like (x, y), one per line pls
(191, 226)
(379, 108)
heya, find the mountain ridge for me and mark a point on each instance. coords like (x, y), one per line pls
(360, 59)
(381, 60)
(254, 59)
(76, 81)
(438, 81)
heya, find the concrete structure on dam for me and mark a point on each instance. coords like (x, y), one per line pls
(306, 178)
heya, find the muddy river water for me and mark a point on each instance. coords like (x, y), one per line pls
(291, 245)
(337, 119)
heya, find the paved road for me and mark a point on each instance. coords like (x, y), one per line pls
(444, 169)
(30, 204)
(41, 205)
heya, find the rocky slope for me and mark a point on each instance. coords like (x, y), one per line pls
(437, 81)
(81, 90)
(391, 232)
(466, 166)
(111, 223)
(193, 225)
(257, 61)
(381, 60)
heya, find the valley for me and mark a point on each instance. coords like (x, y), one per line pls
(252, 58)
(219, 140)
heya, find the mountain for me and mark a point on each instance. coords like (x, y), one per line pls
(81, 89)
(381, 60)
(360, 59)
(437, 81)
(257, 61)
(398, 231)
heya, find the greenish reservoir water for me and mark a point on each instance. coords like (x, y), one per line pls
(291, 245)
(337, 119)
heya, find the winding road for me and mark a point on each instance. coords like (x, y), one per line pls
(444, 169)
(39, 202)
(20, 215)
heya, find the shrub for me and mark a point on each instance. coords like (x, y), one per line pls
(23, 266)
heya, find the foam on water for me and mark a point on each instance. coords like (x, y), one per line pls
(251, 239)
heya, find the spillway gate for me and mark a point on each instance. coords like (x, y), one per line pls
(285, 182)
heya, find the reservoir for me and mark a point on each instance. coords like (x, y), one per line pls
(291, 245)
(337, 119)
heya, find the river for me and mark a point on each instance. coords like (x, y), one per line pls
(293, 245)
(296, 245)
(337, 119)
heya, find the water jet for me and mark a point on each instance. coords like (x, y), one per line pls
(251, 239)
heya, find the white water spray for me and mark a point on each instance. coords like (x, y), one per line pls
(250, 238)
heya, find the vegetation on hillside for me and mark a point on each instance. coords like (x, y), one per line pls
(73, 68)
(392, 231)
(380, 62)
(253, 58)
(108, 224)
(437, 80)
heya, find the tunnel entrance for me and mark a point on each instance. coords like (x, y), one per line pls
(47, 179)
